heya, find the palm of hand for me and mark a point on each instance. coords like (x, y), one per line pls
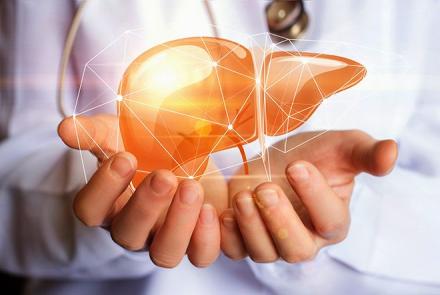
(332, 152)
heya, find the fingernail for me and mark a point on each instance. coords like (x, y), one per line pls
(228, 222)
(189, 194)
(267, 198)
(160, 184)
(245, 205)
(298, 172)
(208, 214)
(123, 165)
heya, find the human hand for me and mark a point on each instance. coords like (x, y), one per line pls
(164, 216)
(293, 217)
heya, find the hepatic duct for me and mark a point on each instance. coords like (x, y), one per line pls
(185, 99)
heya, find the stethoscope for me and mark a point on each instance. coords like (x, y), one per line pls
(285, 18)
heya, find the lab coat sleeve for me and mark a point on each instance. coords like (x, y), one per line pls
(39, 235)
(395, 222)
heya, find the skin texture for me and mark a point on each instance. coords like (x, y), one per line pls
(303, 209)
(166, 216)
(306, 206)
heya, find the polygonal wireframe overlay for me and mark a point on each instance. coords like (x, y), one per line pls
(261, 93)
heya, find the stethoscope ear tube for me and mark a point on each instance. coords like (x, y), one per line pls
(65, 57)
(285, 18)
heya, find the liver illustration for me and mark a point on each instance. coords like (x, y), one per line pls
(185, 99)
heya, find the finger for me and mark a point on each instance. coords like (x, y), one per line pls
(375, 157)
(256, 238)
(172, 239)
(292, 239)
(95, 133)
(95, 200)
(132, 225)
(204, 246)
(231, 242)
(328, 212)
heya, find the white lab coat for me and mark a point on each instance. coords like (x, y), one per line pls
(393, 245)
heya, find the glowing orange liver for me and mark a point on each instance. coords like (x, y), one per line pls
(185, 99)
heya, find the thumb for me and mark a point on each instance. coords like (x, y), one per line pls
(96, 134)
(375, 157)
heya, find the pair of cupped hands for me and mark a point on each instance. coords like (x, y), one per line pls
(304, 208)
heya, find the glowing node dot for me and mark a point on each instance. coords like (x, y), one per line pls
(257, 81)
(304, 61)
(190, 177)
(266, 145)
(214, 64)
(230, 127)
(119, 97)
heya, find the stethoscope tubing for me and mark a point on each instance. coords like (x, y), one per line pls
(76, 21)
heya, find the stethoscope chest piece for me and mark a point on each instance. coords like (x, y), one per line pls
(287, 19)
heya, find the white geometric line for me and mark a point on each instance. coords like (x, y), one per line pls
(106, 47)
(308, 140)
(218, 82)
(80, 150)
(245, 141)
(316, 83)
(176, 112)
(235, 72)
(228, 167)
(285, 75)
(118, 129)
(243, 105)
(213, 148)
(151, 133)
(102, 80)
(276, 103)
(347, 83)
(296, 90)
(291, 116)
(229, 52)
(223, 97)
(95, 107)
(96, 144)
(79, 91)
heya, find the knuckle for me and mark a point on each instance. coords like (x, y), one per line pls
(163, 260)
(265, 259)
(340, 236)
(235, 256)
(83, 214)
(200, 262)
(142, 209)
(126, 244)
(301, 255)
(332, 229)
(235, 253)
